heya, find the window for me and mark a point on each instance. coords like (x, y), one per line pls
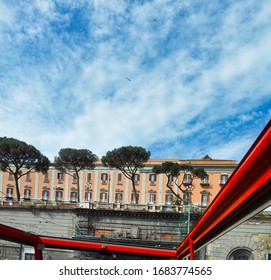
(60, 177)
(10, 177)
(152, 179)
(269, 257)
(118, 197)
(27, 177)
(169, 197)
(103, 195)
(240, 254)
(45, 194)
(46, 177)
(187, 179)
(88, 195)
(223, 179)
(152, 197)
(73, 197)
(74, 178)
(27, 193)
(205, 180)
(89, 178)
(136, 179)
(170, 180)
(104, 178)
(59, 194)
(204, 198)
(29, 257)
(9, 192)
(119, 179)
(27, 253)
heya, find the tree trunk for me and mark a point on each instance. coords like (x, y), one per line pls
(177, 196)
(78, 187)
(134, 188)
(16, 179)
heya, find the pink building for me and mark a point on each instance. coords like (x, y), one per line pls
(104, 187)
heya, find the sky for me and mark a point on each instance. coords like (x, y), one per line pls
(180, 78)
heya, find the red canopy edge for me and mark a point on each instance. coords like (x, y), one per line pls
(42, 242)
(247, 192)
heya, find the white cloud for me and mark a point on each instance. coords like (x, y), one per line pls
(234, 149)
(193, 70)
(7, 15)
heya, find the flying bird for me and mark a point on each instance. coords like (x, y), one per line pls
(155, 20)
(129, 79)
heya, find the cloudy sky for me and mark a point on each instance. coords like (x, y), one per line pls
(180, 78)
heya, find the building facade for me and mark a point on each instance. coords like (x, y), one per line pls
(251, 240)
(104, 187)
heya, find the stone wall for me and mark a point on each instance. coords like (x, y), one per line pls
(50, 222)
(163, 229)
(253, 236)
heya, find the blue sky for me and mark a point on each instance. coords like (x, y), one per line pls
(198, 75)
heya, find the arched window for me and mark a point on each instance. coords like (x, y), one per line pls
(9, 192)
(27, 193)
(45, 194)
(59, 194)
(240, 253)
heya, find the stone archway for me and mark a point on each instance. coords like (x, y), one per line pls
(240, 253)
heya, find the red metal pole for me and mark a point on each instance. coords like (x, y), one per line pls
(191, 248)
(38, 253)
